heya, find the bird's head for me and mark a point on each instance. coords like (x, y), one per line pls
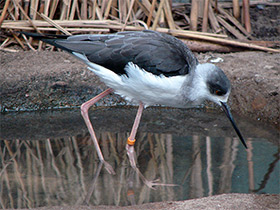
(213, 85)
(218, 85)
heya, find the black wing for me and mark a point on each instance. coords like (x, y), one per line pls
(155, 52)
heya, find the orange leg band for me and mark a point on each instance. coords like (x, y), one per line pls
(130, 192)
(130, 142)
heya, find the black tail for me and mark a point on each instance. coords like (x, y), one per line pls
(48, 38)
(43, 36)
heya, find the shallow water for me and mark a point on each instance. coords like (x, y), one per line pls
(48, 158)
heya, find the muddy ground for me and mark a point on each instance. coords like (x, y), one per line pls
(218, 202)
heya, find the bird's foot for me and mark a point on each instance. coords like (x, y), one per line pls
(156, 182)
(151, 184)
(108, 167)
(132, 159)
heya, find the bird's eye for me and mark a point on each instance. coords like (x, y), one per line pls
(219, 93)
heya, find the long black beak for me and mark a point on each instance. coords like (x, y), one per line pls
(227, 111)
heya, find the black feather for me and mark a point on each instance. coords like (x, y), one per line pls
(155, 52)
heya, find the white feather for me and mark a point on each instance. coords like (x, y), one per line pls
(140, 85)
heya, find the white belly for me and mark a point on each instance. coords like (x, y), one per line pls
(140, 85)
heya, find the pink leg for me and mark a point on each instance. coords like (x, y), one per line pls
(131, 152)
(130, 147)
(84, 110)
(131, 138)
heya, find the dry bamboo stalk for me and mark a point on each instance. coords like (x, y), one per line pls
(18, 40)
(47, 6)
(205, 16)
(69, 9)
(232, 30)
(8, 50)
(16, 11)
(122, 10)
(147, 5)
(103, 6)
(84, 9)
(28, 43)
(41, 7)
(179, 33)
(107, 10)
(13, 10)
(77, 23)
(73, 9)
(151, 13)
(225, 41)
(26, 16)
(53, 8)
(168, 15)
(5, 42)
(33, 8)
(26, 6)
(98, 12)
(215, 5)
(4, 11)
(63, 10)
(114, 12)
(128, 15)
(90, 23)
(165, 30)
(10, 10)
(101, 30)
(142, 9)
(90, 6)
(133, 9)
(149, 9)
(40, 46)
(161, 21)
(246, 15)
(55, 24)
(236, 8)
(213, 20)
(94, 9)
(78, 12)
(233, 20)
(194, 15)
(160, 7)
(266, 43)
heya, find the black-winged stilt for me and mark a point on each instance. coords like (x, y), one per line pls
(146, 68)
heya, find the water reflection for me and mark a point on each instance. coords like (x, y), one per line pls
(66, 170)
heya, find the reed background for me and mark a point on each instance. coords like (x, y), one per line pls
(208, 23)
